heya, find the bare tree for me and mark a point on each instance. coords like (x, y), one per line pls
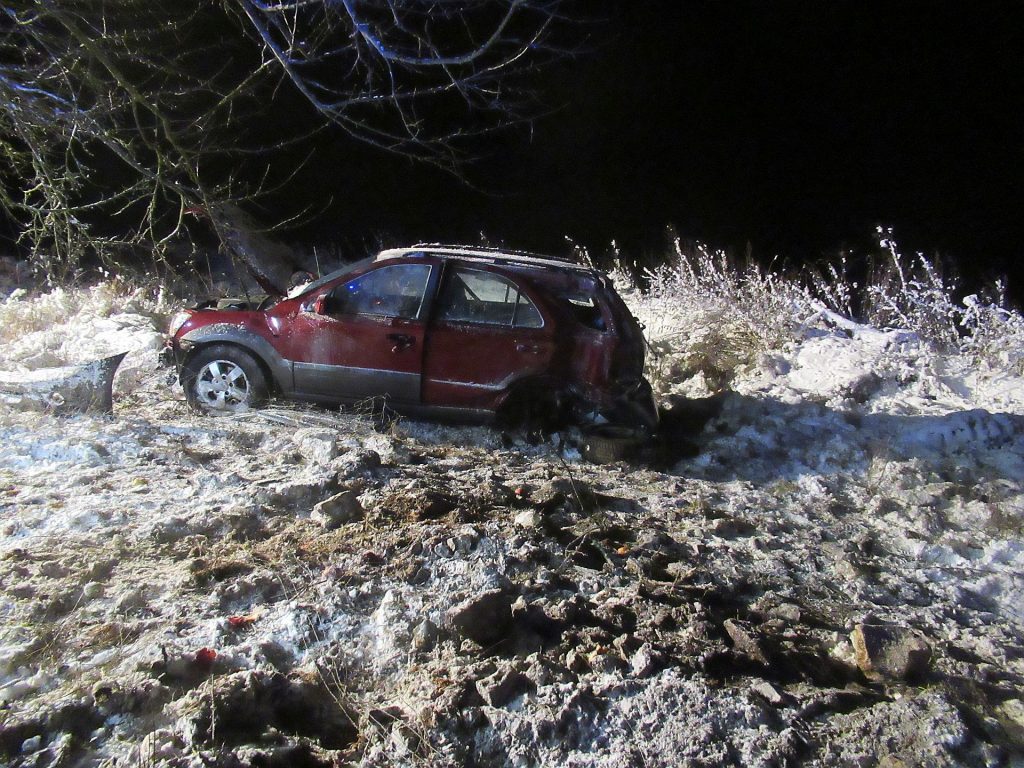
(119, 117)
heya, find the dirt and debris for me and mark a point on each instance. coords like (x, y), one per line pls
(825, 582)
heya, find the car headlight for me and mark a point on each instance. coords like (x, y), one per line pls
(177, 321)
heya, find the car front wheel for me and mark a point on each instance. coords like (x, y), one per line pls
(223, 379)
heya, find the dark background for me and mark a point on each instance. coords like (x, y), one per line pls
(788, 128)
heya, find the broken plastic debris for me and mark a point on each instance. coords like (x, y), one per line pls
(238, 622)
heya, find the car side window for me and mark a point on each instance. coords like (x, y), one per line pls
(394, 291)
(471, 296)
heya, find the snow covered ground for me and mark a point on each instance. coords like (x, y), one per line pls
(834, 577)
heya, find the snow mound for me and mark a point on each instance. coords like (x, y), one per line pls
(66, 327)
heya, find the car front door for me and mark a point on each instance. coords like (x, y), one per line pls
(486, 334)
(364, 338)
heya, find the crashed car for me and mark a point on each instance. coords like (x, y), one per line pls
(467, 334)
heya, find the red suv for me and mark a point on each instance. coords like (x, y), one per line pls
(465, 333)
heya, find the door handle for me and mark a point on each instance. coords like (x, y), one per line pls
(400, 341)
(532, 349)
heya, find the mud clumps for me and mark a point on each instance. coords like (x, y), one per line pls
(247, 707)
(419, 505)
(484, 619)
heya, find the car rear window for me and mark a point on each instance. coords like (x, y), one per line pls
(473, 296)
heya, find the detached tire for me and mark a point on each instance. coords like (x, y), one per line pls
(223, 379)
(609, 443)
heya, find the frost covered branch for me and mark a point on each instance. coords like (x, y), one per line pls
(121, 117)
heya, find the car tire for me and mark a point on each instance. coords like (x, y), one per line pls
(224, 379)
(609, 443)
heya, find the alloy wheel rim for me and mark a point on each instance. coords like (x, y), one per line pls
(222, 386)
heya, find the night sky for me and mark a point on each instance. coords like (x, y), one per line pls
(789, 128)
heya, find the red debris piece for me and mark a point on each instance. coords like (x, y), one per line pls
(237, 622)
(205, 657)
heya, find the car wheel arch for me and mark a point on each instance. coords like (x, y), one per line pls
(277, 370)
(268, 372)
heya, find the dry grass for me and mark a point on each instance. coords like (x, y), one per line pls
(705, 313)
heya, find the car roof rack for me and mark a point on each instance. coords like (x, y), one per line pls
(492, 254)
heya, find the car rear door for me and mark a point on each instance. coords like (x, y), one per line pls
(365, 337)
(486, 334)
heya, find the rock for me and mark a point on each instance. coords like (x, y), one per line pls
(554, 492)
(160, 744)
(767, 691)
(85, 388)
(850, 570)
(680, 571)
(485, 618)
(441, 549)
(744, 641)
(861, 389)
(101, 570)
(420, 575)
(92, 590)
(1011, 717)
(424, 636)
(529, 518)
(291, 495)
(645, 662)
(548, 495)
(405, 741)
(503, 686)
(576, 661)
(337, 510)
(465, 543)
(787, 612)
(356, 464)
(603, 662)
(889, 652)
(31, 745)
(626, 644)
(131, 600)
(543, 671)
(316, 445)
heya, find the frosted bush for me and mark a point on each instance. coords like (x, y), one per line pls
(994, 335)
(705, 315)
(21, 314)
(911, 294)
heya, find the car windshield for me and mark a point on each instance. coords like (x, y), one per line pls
(321, 282)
